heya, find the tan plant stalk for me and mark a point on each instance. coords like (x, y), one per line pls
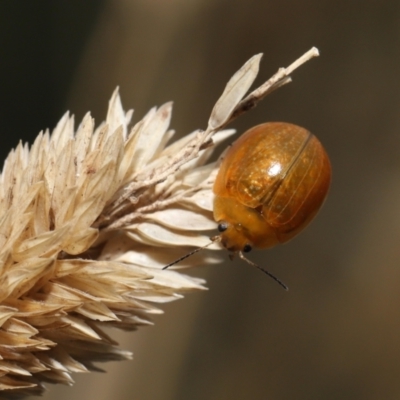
(88, 220)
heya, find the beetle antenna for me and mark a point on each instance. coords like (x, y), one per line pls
(263, 270)
(212, 240)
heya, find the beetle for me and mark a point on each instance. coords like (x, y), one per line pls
(270, 185)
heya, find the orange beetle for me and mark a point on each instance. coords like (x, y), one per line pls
(270, 185)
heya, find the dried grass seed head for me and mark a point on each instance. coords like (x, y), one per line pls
(87, 220)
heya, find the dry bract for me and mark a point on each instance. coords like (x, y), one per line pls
(89, 218)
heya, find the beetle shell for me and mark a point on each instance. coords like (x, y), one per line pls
(270, 185)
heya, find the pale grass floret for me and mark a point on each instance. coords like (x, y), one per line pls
(88, 220)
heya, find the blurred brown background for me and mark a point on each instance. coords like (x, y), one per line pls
(336, 333)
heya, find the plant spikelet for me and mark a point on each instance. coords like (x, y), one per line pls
(88, 219)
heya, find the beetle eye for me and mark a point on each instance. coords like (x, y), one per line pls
(247, 248)
(222, 226)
